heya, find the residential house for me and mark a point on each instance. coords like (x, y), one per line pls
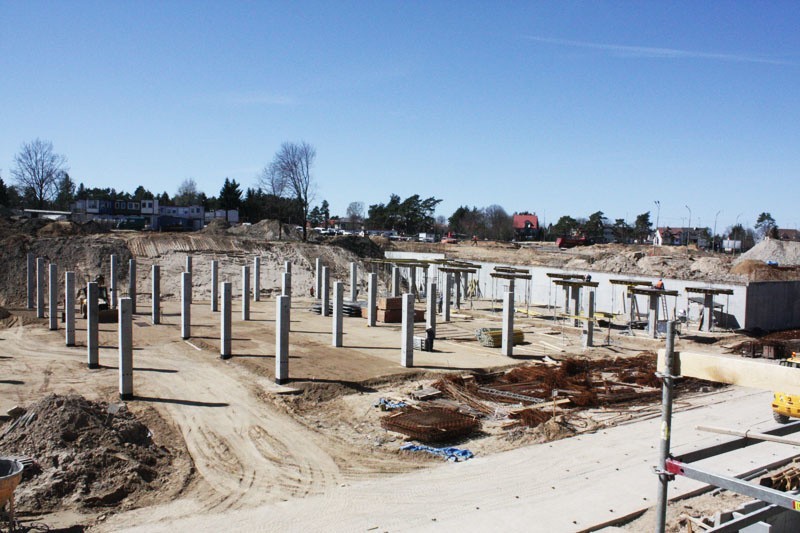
(526, 226)
(789, 235)
(681, 236)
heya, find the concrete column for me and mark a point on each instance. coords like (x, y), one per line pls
(372, 300)
(458, 289)
(395, 282)
(257, 279)
(287, 266)
(214, 285)
(708, 311)
(326, 296)
(412, 280)
(112, 283)
(318, 279)
(338, 316)
(245, 292)
(92, 322)
(189, 271)
(448, 288)
(430, 318)
(511, 285)
(52, 311)
(576, 305)
(282, 339)
(31, 280)
(566, 300)
(40, 287)
(155, 274)
(507, 348)
(225, 321)
(652, 317)
(69, 308)
(286, 284)
(186, 305)
(125, 349)
(588, 330)
(132, 284)
(407, 341)
(353, 281)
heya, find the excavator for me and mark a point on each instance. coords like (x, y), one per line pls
(105, 314)
(786, 406)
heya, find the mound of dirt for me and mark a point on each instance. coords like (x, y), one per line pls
(85, 454)
(756, 270)
(65, 228)
(218, 226)
(361, 246)
(784, 253)
(269, 230)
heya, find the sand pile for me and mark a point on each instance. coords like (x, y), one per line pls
(784, 253)
(270, 230)
(218, 226)
(85, 454)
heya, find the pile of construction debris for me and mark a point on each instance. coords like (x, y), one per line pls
(81, 454)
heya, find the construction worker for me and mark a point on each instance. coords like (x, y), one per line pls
(474, 240)
(659, 284)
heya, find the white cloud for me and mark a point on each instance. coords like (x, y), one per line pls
(649, 52)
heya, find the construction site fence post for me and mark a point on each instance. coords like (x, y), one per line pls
(666, 428)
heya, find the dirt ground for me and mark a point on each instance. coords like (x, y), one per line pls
(235, 439)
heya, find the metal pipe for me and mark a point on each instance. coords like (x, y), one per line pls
(666, 429)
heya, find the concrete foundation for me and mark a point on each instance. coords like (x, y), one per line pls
(92, 323)
(214, 285)
(282, 339)
(326, 292)
(132, 284)
(395, 282)
(40, 287)
(430, 315)
(372, 300)
(257, 279)
(52, 311)
(286, 284)
(112, 282)
(588, 324)
(353, 281)
(507, 347)
(31, 280)
(69, 308)
(225, 321)
(186, 305)
(155, 304)
(407, 341)
(245, 292)
(338, 316)
(448, 288)
(125, 349)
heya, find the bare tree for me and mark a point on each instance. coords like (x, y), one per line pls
(37, 169)
(272, 180)
(293, 162)
(355, 213)
(187, 193)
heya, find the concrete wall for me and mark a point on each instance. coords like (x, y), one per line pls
(540, 291)
(773, 305)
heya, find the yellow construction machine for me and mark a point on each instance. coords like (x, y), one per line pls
(786, 406)
(105, 314)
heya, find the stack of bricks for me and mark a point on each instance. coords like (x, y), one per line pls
(390, 310)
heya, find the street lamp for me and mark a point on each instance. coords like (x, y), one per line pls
(689, 230)
(714, 236)
(741, 234)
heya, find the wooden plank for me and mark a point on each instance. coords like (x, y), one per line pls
(758, 374)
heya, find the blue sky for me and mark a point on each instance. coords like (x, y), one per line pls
(553, 107)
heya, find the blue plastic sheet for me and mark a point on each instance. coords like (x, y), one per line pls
(451, 454)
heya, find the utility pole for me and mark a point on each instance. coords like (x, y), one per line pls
(689, 229)
(658, 216)
(714, 236)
